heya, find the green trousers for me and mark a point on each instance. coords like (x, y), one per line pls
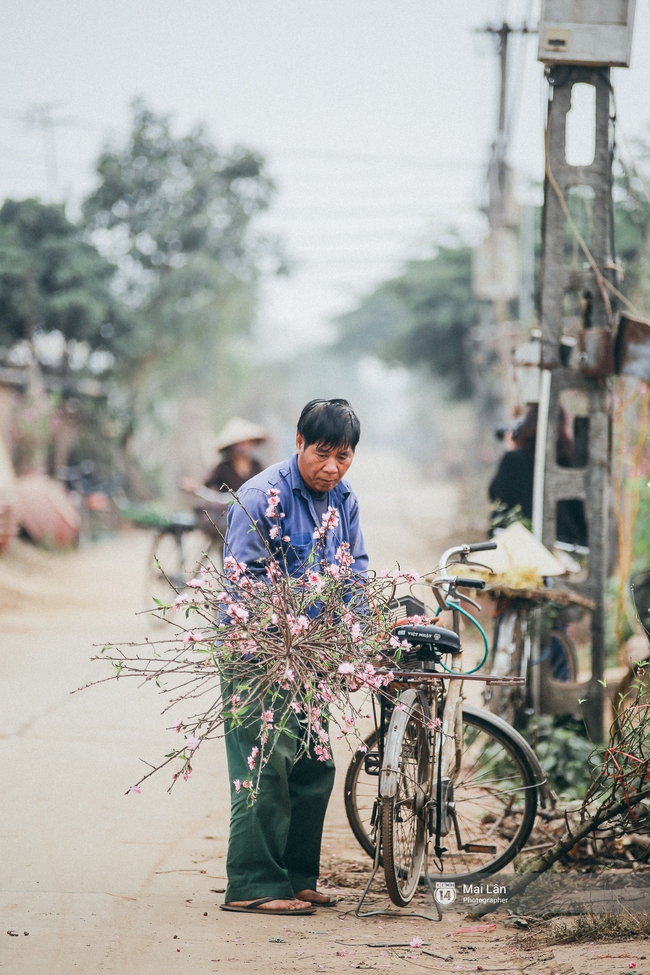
(275, 842)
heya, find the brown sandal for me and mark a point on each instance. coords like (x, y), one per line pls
(254, 908)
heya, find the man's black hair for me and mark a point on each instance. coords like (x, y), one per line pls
(331, 422)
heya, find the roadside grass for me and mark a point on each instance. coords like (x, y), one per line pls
(599, 927)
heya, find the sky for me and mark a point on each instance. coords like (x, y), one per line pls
(375, 117)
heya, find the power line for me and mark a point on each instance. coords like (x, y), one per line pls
(41, 117)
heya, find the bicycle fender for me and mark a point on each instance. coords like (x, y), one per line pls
(390, 768)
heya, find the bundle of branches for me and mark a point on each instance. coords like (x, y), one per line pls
(616, 806)
(262, 648)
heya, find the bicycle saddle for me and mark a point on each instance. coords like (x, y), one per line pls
(436, 638)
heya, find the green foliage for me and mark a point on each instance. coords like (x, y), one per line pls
(567, 757)
(420, 318)
(51, 278)
(501, 516)
(175, 214)
(167, 197)
(641, 546)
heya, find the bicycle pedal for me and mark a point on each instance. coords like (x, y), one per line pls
(371, 763)
(478, 848)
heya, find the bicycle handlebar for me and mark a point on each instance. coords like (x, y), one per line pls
(463, 551)
(470, 583)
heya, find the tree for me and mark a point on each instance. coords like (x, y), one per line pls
(52, 279)
(175, 214)
(632, 228)
(420, 318)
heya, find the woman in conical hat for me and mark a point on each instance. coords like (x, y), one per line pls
(236, 444)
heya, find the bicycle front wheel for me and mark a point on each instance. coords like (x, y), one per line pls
(404, 781)
(494, 800)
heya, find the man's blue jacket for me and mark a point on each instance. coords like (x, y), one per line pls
(299, 521)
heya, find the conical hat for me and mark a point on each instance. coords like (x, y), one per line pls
(518, 554)
(236, 430)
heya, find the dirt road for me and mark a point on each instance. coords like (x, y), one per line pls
(96, 881)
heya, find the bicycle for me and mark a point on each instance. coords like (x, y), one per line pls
(182, 542)
(519, 646)
(435, 767)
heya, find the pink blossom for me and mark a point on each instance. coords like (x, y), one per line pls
(343, 556)
(193, 636)
(237, 785)
(274, 619)
(315, 581)
(237, 611)
(390, 574)
(251, 758)
(274, 532)
(416, 943)
(195, 583)
(355, 632)
(362, 747)
(268, 717)
(296, 627)
(187, 774)
(286, 538)
(295, 707)
(234, 700)
(192, 743)
(411, 576)
(346, 668)
(178, 725)
(136, 789)
(435, 724)
(323, 752)
(180, 600)
(393, 642)
(233, 568)
(330, 519)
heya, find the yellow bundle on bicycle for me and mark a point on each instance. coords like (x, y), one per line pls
(519, 561)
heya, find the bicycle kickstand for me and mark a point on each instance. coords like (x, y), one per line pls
(375, 867)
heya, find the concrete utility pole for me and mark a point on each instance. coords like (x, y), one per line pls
(496, 278)
(576, 307)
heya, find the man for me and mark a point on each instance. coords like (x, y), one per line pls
(274, 847)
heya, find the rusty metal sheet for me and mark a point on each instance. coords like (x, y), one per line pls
(596, 352)
(632, 352)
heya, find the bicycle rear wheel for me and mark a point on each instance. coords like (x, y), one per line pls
(404, 781)
(175, 558)
(494, 799)
(494, 794)
(360, 793)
